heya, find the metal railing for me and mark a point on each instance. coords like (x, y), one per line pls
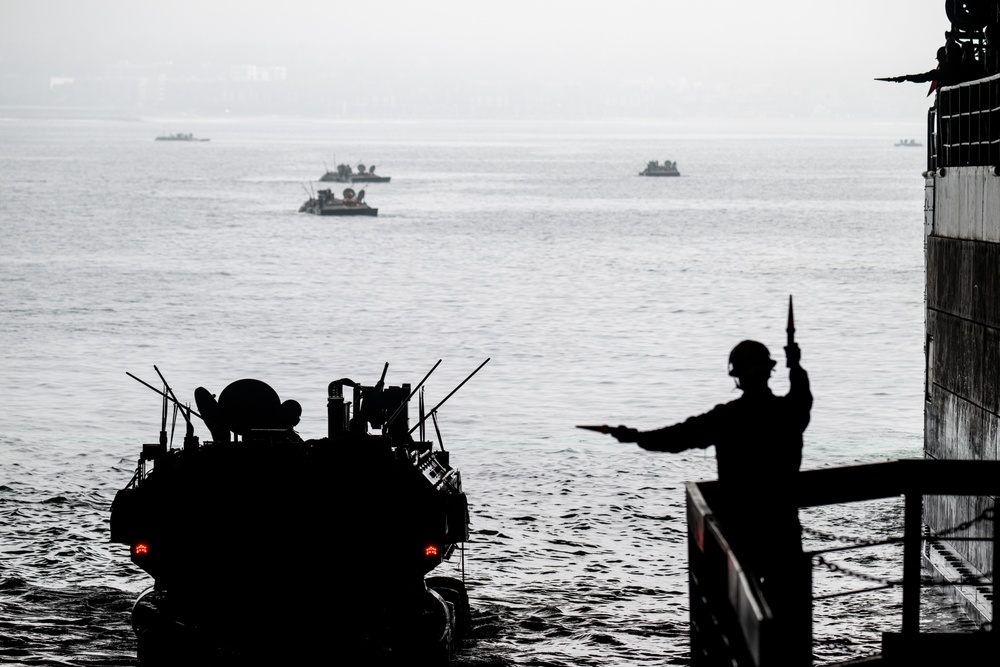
(964, 125)
(731, 620)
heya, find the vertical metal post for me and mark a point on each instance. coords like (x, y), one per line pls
(996, 563)
(912, 535)
(695, 619)
(931, 139)
(806, 565)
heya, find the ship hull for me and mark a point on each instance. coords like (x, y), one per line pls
(344, 211)
(962, 329)
(314, 209)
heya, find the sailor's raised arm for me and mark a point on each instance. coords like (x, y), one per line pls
(798, 381)
(793, 355)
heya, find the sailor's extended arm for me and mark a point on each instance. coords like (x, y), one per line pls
(695, 432)
(923, 77)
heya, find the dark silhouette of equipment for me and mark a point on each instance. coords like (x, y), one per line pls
(261, 543)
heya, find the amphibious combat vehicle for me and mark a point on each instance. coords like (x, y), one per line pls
(264, 545)
(324, 202)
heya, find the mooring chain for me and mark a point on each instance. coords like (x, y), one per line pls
(834, 567)
(984, 578)
(850, 540)
(987, 515)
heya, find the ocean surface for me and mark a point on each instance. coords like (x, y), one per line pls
(598, 297)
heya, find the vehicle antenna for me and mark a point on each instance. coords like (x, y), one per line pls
(164, 395)
(189, 438)
(403, 404)
(173, 426)
(422, 412)
(173, 397)
(163, 423)
(434, 409)
(434, 420)
(307, 191)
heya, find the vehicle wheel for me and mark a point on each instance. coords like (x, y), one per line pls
(453, 590)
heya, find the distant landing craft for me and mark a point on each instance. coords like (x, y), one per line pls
(654, 168)
(180, 136)
(326, 203)
(344, 174)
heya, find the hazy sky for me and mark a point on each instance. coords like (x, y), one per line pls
(819, 48)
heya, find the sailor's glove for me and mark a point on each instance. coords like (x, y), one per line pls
(793, 354)
(624, 433)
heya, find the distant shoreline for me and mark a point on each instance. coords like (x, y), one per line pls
(775, 128)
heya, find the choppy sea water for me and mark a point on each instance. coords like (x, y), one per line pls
(597, 295)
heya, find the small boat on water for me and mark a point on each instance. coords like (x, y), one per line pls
(344, 174)
(180, 136)
(909, 142)
(267, 547)
(654, 168)
(326, 203)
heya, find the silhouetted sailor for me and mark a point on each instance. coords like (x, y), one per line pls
(952, 48)
(991, 49)
(970, 66)
(956, 64)
(947, 73)
(758, 445)
(758, 437)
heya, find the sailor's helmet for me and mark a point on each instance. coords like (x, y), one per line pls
(748, 358)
